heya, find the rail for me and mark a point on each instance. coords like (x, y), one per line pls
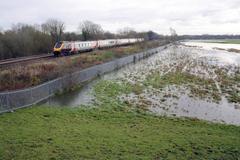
(23, 59)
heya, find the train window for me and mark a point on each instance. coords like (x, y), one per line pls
(69, 46)
(58, 44)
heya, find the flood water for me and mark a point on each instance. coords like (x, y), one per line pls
(206, 45)
(76, 98)
(180, 103)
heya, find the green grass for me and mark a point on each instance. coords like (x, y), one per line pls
(53, 133)
(112, 130)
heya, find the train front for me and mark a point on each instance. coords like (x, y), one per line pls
(57, 50)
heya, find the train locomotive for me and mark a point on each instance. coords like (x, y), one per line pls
(72, 47)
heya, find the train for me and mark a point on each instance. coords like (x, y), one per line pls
(72, 47)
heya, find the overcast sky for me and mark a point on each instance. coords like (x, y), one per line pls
(186, 16)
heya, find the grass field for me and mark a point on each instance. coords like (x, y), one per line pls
(112, 129)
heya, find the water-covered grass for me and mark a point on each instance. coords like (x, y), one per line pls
(230, 85)
(112, 129)
(199, 87)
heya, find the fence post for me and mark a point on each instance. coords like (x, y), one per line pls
(32, 101)
(8, 106)
(49, 90)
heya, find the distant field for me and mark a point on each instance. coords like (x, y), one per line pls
(225, 41)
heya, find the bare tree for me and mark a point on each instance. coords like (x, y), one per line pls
(173, 35)
(1, 45)
(90, 30)
(55, 28)
(23, 40)
(109, 35)
(127, 32)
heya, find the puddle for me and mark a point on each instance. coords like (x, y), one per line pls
(76, 98)
(186, 106)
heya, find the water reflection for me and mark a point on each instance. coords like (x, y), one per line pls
(187, 106)
(76, 98)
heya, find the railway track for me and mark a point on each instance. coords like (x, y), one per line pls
(11, 61)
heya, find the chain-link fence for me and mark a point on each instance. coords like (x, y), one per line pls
(18, 99)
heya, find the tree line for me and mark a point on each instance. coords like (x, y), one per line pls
(25, 40)
(207, 36)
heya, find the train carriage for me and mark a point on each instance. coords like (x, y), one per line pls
(67, 48)
(73, 47)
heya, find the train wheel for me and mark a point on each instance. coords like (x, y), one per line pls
(66, 53)
(56, 54)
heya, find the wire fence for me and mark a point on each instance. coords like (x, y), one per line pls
(13, 100)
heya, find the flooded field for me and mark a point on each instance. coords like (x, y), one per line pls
(212, 45)
(180, 81)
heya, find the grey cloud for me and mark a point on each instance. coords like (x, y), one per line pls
(186, 16)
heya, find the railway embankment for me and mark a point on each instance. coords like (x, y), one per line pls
(11, 100)
(25, 74)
